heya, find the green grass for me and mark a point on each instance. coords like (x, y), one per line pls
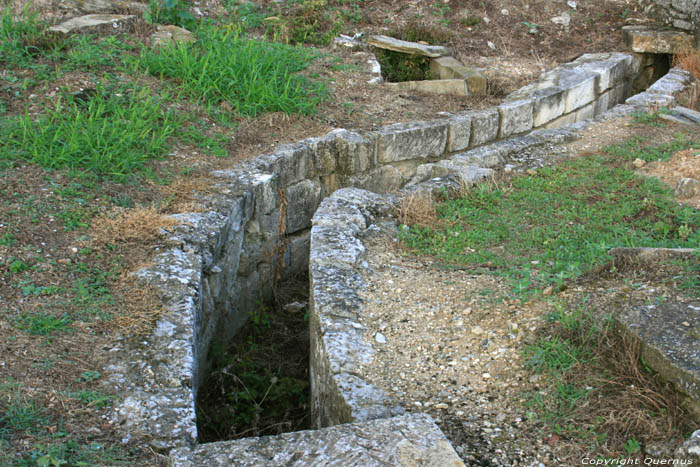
(111, 133)
(251, 76)
(639, 147)
(18, 39)
(42, 324)
(548, 228)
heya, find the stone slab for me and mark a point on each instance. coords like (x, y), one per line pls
(670, 343)
(415, 140)
(485, 125)
(406, 441)
(643, 39)
(397, 45)
(516, 117)
(459, 132)
(450, 87)
(90, 23)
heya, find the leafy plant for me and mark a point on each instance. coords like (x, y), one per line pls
(174, 12)
(42, 324)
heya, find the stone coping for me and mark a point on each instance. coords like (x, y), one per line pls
(257, 223)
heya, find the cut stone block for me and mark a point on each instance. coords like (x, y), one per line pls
(451, 68)
(397, 45)
(688, 114)
(104, 6)
(485, 124)
(167, 34)
(459, 132)
(94, 23)
(549, 104)
(415, 140)
(644, 39)
(516, 117)
(452, 87)
(611, 68)
(410, 440)
(476, 82)
(303, 198)
(669, 335)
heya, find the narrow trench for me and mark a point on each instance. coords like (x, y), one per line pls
(258, 385)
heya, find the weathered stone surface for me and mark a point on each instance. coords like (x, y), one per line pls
(95, 23)
(476, 81)
(302, 200)
(516, 117)
(459, 132)
(103, 6)
(485, 125)
(687, 188)
(451, 68)
(406, 441)
(415, 140)
(344, 152)
(579, 85)
(690, 449)
(688, 114)
(670, 338)
(167, 34)
(451, 87)
(611, 68)
(384, 179)
(397, 45)
(549, 104)
(644, 39)
(290, 162)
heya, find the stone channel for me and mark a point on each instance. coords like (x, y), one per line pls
(258, 226)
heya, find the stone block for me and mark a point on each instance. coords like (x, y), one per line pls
(644, 39)
(446, 68)
(303, 199)
(611, 68)
(669, 335)
(516, 117)
(459, 129)
(167, 34)
(290, 162)
(476, 81)
(411, 440)
(580, 87)
(102, 23)
(650, 101)
(485, 125)
(344, 152)
(415, 140)
(384, 179)
(549, 104)
(561, 121)
(585, 112)
(450, 87)
(397, 45)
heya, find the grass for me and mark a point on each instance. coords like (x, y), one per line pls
(559, 224)
(596, 389)
(111, 133)
(251, 77)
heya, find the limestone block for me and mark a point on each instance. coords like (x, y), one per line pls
(397, 45)
(686, 113)
(549, 104)
(303, 199)
(104, 23)
(446, 68)
(450, 87)
(580, 86)
(485, 125)
(167, 34)
(644, 39)
(415, 140)
(603, 103)
(611, 68)
(476, 81)
(668, 334)
(585, 112)
(290, 162)
(561, 121)
(516, 117)
(650, 100)
(344, 152)
(411, 440)
(384, 179)
(458, 132)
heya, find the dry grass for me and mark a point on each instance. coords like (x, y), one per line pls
(130, 226)
(688, 60)
(690, 96)
(418, 209)
(139, 307)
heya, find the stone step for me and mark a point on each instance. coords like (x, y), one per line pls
(397, 45)
(408, 440)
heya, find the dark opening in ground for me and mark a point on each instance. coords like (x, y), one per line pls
(654, 66)
(259, 384)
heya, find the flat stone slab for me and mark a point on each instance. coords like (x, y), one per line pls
(91, 22)
(452, 87)
(648, 40)
(670, 343)
(397, 45)
(408, 441)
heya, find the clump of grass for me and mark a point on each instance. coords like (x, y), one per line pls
(546, 229)
(640, 148)
(415, 31)
(689, 60)
(138, 225)
(596, 388)
(17, 38)
(107, 132)
(251, 76)
(418, 210)
(42, 324)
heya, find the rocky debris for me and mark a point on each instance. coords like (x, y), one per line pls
(405, 441)
(397, 45)
(643, 39)
(167, 34)
(687, 188)
(452, 87)
(690, 449)
(350, 42)
(103, 23)
(669, 334)
(294, 307)
(563, 20)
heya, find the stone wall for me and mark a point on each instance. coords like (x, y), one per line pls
(681, 14)
(256, 228)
